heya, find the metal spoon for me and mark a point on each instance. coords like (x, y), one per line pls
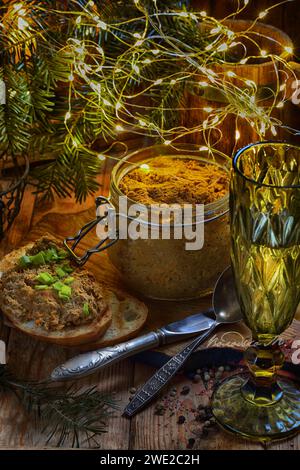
(227, 310)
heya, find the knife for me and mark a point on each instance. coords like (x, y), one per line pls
(88, 363)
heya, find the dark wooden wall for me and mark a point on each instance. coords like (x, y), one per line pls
(285, 17)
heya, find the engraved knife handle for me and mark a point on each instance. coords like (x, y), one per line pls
(163, 376)
(88, 363)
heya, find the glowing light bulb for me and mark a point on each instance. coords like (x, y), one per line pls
(68, 116)
(230, 73)
(209, 47)
(289, 50)
(262, 14)
(158, 82)
(102, 25)
(139, 43)
(203, 13)
(71, 77)
(173, 82)
(215, 30)
(282, 87)
(243, 61)
(101, 156)
(136, 69)
(208, 110)
(263, 53)
(106, 102)
(142, 123)
(119, 128)
(22, 23)
(155, 51)
(203, 84)
(147, 61)
(280, 105)
(184, 14)
(144, 167)
(273, 130)
(250, 83)
(237, 135)
(118, 105)
(137, 35)
(223, 47)
(246, 2)
(203, 148)
(167, 142)
(17, 6)
(78, 20)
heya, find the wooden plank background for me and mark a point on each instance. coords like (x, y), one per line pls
(28, 358)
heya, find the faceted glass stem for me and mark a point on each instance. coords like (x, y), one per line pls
(263, 361)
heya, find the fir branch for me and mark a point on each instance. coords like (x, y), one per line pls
(63, 414)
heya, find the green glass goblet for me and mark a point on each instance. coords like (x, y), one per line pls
(265, 255)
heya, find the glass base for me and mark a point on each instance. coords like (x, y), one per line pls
(260, 423)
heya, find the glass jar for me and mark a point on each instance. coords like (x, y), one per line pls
(163, 268)
(154, 266)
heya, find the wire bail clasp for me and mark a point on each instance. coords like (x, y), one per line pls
(101, 246)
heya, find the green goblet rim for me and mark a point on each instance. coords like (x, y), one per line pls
(261, 144)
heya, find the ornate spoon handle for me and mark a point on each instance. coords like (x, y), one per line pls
(163, 376)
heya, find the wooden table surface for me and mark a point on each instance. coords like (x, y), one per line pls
(31, 359)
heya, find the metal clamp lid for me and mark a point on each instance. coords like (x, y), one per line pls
(101, 246)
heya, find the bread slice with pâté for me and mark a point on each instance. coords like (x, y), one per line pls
(116, 315)
(43, 295)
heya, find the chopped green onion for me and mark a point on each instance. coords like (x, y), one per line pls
(66, 290)
(69, 280)
(63, 296)
(86, 309)
(67, 268)
(60, 272)
(58, 285)
(25, 261)
(62, 254)
(41, 287)
(45, 278)
(38, 259)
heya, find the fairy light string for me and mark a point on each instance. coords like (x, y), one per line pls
(132, 73)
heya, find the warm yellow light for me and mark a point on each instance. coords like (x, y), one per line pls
(215, 30)
(22, 23)
(71, 77)
(223, 47)
(78, 20)
(203, 84)
(68, 116)
(142, 123)
(173, 82)
(147, 61)
(237, 135)
(280, 105)
(263, 53)
(167, 142)
(243, 61)
(101, 156)
(137, 35)
(208, 110)
(230, 73)
(203, 148)
(209, 47)
(273, 130)
(203, 13)
(106, 102)
(155, 51)
(184, 14)
(289, 50)
(158, 82)
(119, 128)
(262, 14)
(102, 25)
(139, 43)
(250, 83)
(136, 68)
(145, 167)
(118, 105)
